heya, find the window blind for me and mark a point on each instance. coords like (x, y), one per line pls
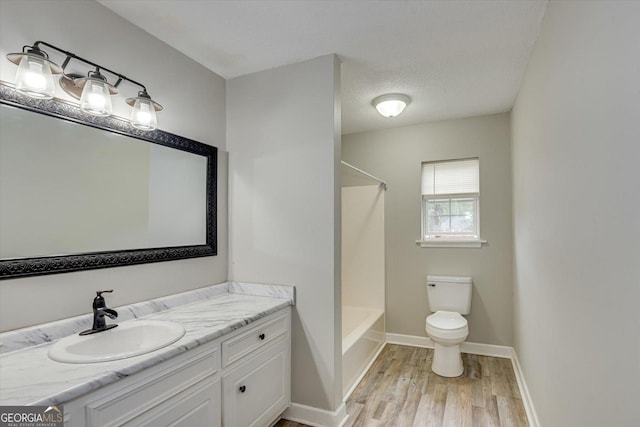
(451, 177)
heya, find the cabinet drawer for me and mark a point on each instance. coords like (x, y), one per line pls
(115, 409)
(253, 339)
(258, 390)
(197, 406)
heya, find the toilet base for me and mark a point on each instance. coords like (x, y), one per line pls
(447, 361)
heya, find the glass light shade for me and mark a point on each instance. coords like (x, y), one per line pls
(143, 115)
(34, 77)
(391, 105)
(95, 98)
(390, 108)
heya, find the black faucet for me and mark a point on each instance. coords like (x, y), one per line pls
(99, 311)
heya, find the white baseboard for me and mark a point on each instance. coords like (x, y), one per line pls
(532, 416)
(487, 349)
(466, 347)
(410, 340)
(316, 417)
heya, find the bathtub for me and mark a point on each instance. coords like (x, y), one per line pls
(362, 339)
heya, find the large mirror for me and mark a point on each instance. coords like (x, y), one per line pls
(82, 192)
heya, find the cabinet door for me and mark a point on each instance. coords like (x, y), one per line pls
(258, 390)
(197, 406)
(133, 397)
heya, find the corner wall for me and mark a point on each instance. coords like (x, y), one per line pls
(396, 155)
(576, 213)
(195, 110)
(284, 144)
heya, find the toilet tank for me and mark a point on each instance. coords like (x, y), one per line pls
(449, 293)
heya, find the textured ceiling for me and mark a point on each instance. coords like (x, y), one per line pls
(453, 58)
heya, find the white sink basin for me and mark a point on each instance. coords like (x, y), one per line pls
(129, 339)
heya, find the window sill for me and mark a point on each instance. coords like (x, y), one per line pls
(451, 243)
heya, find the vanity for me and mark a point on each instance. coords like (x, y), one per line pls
(231, 367)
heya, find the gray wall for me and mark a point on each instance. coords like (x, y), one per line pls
(576, 209)
(284, 208)
(395, 155)
(194, 108)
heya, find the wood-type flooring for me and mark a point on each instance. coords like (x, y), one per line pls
(401, 390)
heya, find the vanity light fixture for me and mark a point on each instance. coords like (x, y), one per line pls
(143, 115)
(35, 78)
(392, 104)
(35, 72)
(96, 94)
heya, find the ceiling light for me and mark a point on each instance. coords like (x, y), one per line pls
(392, 104)
(34, 78)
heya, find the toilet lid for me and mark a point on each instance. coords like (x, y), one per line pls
(448, 320)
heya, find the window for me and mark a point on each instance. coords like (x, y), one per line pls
(450, 201)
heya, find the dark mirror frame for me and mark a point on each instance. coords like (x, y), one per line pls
(23, 267)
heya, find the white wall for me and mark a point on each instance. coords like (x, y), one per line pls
(194, 108)
(576, 210)
(284, 208)
(395, 155)
(363, 276)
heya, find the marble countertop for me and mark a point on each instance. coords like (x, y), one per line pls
(29, 377)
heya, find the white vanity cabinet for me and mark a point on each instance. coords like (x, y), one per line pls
(256, 375)
(240, 379)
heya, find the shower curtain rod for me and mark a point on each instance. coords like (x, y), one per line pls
(383, 184)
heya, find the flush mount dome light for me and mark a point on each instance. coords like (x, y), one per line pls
(392, 104)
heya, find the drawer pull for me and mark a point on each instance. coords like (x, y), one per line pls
(261, 336)
(243, 388)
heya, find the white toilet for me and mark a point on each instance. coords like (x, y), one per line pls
(449, 298)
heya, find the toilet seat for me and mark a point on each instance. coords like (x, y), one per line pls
(447, 320)
(447, 325)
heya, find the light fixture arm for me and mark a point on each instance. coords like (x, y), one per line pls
(35, 50)
(70, 55)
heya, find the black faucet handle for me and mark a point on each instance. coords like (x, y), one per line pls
(98, 301)
(108, 291)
